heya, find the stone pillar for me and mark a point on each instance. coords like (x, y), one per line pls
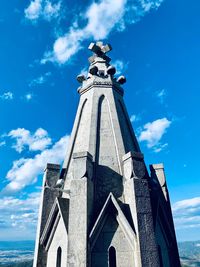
(136, 193)
(158, 177)
(51, 175)
(80, 209)
(158, 174)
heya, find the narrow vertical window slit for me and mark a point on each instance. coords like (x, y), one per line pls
(112, 257)
(59, 255)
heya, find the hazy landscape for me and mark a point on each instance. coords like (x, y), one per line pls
(20, 253)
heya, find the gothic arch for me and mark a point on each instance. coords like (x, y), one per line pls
(129, 138)
(112, 261)
(59, 257)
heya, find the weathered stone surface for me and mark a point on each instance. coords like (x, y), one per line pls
(51, 175)
(114, 210)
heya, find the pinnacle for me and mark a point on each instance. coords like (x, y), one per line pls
(100, 67)
(99, 50)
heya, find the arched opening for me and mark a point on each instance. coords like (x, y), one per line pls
(59, 255)
(160, 256)
(112, 257)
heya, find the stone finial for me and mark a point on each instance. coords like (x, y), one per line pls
(111, 70)
(80, 78)
(121, 79)
(99, 50)
(93, 70)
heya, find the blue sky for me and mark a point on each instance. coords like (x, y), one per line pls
(44, 47)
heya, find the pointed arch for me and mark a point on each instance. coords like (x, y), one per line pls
(160, 256)
(74, 136)
(107, 174)
(101, 98)
(59, 257)
(130, 142)
(112, 261)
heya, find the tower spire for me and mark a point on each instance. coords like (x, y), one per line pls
(107, 210)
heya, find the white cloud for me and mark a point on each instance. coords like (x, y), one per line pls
(26, 170)
(65, 47)
(7, 96)
(135, 118)
(28, 96)
(187, 213)
(101, 18)
(159, 147)
(34, 10)
(39, 140)
(42, 9)
(17, 214)
(187, 205)
(84, 71)
(149, 4)
(161, 95)
(51, 10)
(120, 66)
(153, 132)
(40, 80)
(3, 143)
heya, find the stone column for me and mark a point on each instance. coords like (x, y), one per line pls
(81, 200)
(51, 175)
(136, 193)
(157, 172)
(158, 176)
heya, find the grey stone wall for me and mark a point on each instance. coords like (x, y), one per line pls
(112, 235)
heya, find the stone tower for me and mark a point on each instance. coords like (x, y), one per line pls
(103, 208)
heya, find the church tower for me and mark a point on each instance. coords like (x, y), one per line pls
(103, 208)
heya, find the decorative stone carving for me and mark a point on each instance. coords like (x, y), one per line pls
(111, 70)
(80, 78)
(121, 79)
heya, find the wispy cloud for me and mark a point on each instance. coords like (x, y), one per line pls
(101, 18)
(84, 71)
(152, 133)
(7, 96)
(42, 9)
(39, 140)
(159, 147)
(187, 213)
(161, 95)
(135, 118)
(149, 4)
(3, 143)
(26, 170)
(28, 97)
(40, 80)
(120, 66)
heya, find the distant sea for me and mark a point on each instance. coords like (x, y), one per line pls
(16, 252)
(20, 253)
